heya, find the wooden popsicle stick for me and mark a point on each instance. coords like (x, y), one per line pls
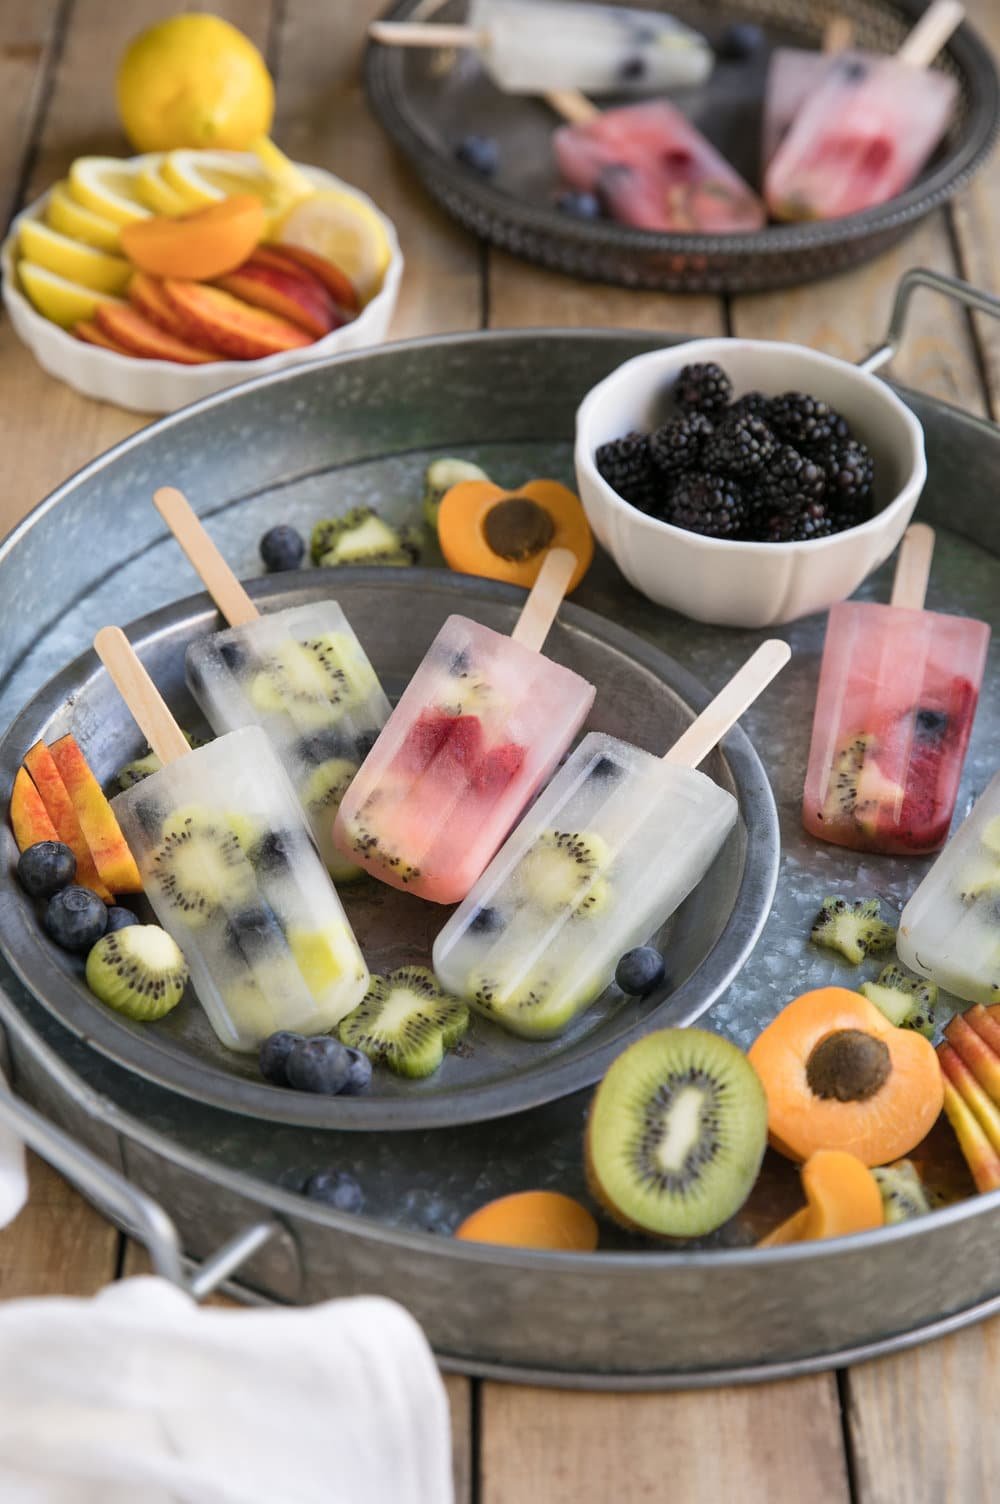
(729, 704)
(930, 33)
(209, 565)
(426, 34)
(838, 33)
(571, 105)
(547, 593)
(140, 695)
(913, 567)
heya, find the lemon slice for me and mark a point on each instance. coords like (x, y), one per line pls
(64, 214)
(335, 224)
(282, 170)
(108, 186)
(43, 246)
(206, 177)
(157, 194)
(57, 298)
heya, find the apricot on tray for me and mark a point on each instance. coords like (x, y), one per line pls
(206, 243)
(843, 1197)
(505, 535)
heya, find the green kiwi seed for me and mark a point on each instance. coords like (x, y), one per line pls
(406, 1022)
(139, 971)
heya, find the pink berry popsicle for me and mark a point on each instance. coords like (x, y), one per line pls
(897, 694)
(654, 170)
(478, 730)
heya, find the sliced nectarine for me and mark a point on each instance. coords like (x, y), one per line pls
(207, 243)
(55, 796)
(988, 1028)
(339, 286)
(843, 1197)
(112, 858)
(93, 334)
(291, 295)
(210, 316)
(533, 1219)
(29, 818)
(979, 1153)
(140, 337)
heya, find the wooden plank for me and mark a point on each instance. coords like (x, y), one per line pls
(460, 1400)
(323, 118)
(59, 1245)
(920, 1422)
(777, 1444)
(27, 37)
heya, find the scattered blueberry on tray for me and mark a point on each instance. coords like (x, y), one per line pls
(281, 548)
(640, 970)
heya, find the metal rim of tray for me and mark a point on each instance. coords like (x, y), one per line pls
(774, 256)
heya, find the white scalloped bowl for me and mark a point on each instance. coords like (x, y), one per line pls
(728, 582)
(161, 386)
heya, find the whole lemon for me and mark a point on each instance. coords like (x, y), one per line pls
(194, 80)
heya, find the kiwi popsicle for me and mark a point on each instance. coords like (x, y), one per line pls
(898, 689)
(606, 854)
(478, 730)
(949, 929)
(232, 875)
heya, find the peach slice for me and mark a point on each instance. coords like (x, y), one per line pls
(980, 1156)
(985, 1025)
(986, 1113)
(140, 337)
(210, 316)
(29, 818)
(112, 858)
(976, 1054)
(93, 334)
(340, 287)
(147, 296)
(207, 243)
(292, 295)
(47, 779)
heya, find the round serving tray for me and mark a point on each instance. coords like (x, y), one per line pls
(429, 100)
(358, 429)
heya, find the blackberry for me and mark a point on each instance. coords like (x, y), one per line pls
(791, 527)
(790, 482)
(678, 443)
(625, 464)
(706, 504)
(740, 446)
(703, 389)
(850, 471)
(751, 405)
(805, 421)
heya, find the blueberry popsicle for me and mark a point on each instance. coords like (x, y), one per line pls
(898, 689)
(606, 854)
(228, 866)
(478, 730)
(299, 674)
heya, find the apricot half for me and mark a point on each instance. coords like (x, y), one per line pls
(207, 243)
(505, 535)
(843, 1197)
(533, 1219)
(838, 1075)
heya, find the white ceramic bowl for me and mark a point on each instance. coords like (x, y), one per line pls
(732, 583)
(160, 386)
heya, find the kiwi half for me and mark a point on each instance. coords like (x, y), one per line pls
(676, 1134)
(201, 866)
(406, 1022)
(139, 971)
(560, 869)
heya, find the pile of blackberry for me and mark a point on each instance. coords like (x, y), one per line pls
(762, 469)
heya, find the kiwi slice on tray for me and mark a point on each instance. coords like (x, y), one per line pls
(560, 869)
(200, 864)
(908, 1002)
(361, 536)
(139, 971)
(676, 1134)
(854, 929)
(904, 1194)
(406, 1022)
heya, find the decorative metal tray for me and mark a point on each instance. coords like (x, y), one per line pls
(633, 1314)
(429, 100)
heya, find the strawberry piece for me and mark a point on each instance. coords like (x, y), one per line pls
(463, 750)
(497, 768)
(424, 740)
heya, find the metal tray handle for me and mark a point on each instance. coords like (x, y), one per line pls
(919, 276)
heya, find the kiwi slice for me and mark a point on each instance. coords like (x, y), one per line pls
(980, 879)
(559, 871)
(527, 1007)
(305, 680)
(904, 1194)
(361, 536)
(406, 1022)
(321, 794)
(139, 971)
(140, 767)
(854, 929)
(907, 1001)
(439, 477)
(991, 837)
(857, 788)
(201, 866)
(676, 1133)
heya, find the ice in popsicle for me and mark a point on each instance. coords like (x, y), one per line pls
(534, 46)
(897, 694)
(950, 929)
(653, 169)
(602, 859)
(793, 74)
(228, 866)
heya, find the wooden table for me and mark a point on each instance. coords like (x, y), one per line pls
(918, 1428)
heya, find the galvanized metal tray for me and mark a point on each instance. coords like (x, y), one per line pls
(632, 1315)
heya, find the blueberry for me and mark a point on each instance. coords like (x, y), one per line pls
(459, 664)
(640, 970)
(426, 1210)
(234, 656)
(149, 816)
(931, 724)
(633, 68)
(282, 548)
(605, 769)
(320, 1065)
(274, 852)
(253, 931)
(360, 1076)
(481, 153)
(579, 205)
(320, 747)
(120, 918)
(486, 922)
(740, 41)
(75, 918)
(45, 868)
(335, 1188)
(273, 1055)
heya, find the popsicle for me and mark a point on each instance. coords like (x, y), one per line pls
(231, 873)
(478, 730)
(300, 674)
(603, 858)
(898, 688)
(864, 132)
(950, 929)
(534, 46)
(793, 73)
(654, 170)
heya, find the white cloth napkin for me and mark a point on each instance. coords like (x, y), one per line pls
(13, 1175)
(139, 1396)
